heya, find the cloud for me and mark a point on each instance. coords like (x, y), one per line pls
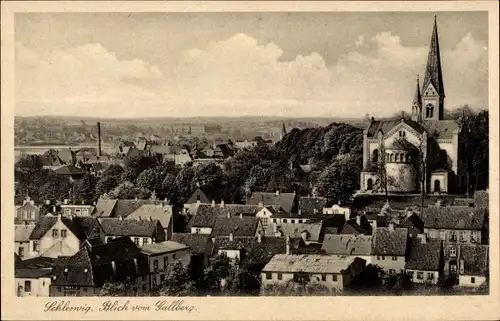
(239, 75)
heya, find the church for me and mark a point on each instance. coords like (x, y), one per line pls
(408, 154)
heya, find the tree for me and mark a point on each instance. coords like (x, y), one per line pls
(209, 176)
(338, 181)
(84, 190)
(110, 178)
(151, 179)
(126, 288)
(184, 184)
(127, 190)
(136, 163)
(177, 281)
(168, 189)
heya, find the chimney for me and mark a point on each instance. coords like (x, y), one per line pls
(65, 270)
(231, 236)
(66, 201)
(59, 217)
(423, 238)
(461, 266)
(277, 193)
(259, 238)
(358, 219)
(228, 215)
(150, 219)
(241, 215)
(54, 209)
(85, 271)
(287, 240)
(47, 202)
(213, 203)
(120, 218)
(222, 203)
(391, 226)
(99, 153)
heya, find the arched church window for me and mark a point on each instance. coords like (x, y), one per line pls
(431, 112)
(437, 186)
(428, 111)
(369, 184)
(391, 157)
(396, 158)
(375, 155)
(403, 158)
(408, 158)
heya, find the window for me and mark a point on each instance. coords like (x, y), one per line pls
(136, 241)
(420, 275)
(284, 221)
(64, 233)
(375, 155)
(27, 286)
(173, 256)
(59, 288)
(264, 221)
(391, 271)
(383, 257)
(165, 262)
(334, 277)
(21, 252)
(410, 274)
(85, 212)
(369, 184)
(32, 215)
(394, 258)
(145, 241)
(293, 221)
(154, 279)
(25, 215)
(472, 280)
(430, 276)
(462, 236)
(323, 277)
(453, 236)
(472, 237)
(36, 246)
(442, 235)
(84, 289)
(55, 233)
(280, 276)
(67, 211)
(162, 277)
(269, 276)
(144, 278)
(155, 265)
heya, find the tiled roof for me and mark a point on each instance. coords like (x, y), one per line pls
(390, 242)
(481, 199)
(239, 226)
(386, 125)
(206, 196)
(81, 226)
(32, 273)
(352, 227)
(285, 200)
(454, 217)
(104, 207)
(397, 202)
(43, 225)
(206, 214)
(117, 227)
(442, 129)
(124, 207)
(347, 244)
(476, 259)
(309, 204)
(155, 212)
(67, 155)
(295, 230)
(69, 170)
(39, 262)
(197, 242)
(75, 270)
(22, 232)
(308, 263)
(163, 247)
(414, 220)
(423, 256)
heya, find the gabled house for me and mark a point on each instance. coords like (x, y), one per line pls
(85, 273)
(104, 207)
(349, 245)
(67, 155)
(356, 226)
(71, 172)
(33, 277)
(141, 232)
(414, 224)
(424, 259)
(473, 265)
(287, 201)
(22, 239)
(389, 248)
(247, 226)
(201, 246)
(152, 212)
(27, 213)
(309, 232)
(204, 218)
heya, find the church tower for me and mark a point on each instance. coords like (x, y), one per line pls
(433, 89)
(416, 108)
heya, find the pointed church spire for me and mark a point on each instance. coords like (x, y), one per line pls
(433, 72)
(417, 103)
(283, 131)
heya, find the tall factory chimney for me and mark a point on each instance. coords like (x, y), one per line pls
(99, 154)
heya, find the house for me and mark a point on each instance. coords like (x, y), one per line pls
(414, 224)
(22, 234)
(265, 214)
(455, 224)
(122, 207)
(53, 237)
(204, 218)
(161, 255)
(311, 205)
(338, 209)
(76, 209)
(473, 265)
(161, 212)
(356, 226)
(104, 207)
(201, 246)
(249, 226)
(349, 245)
(200, 196)
(309, 232)
(389, 248)
(287, 201)
(32, 282)
(85, 273)
(71, 172)
(424, 260)
(333, 272)
(141, 232)
(67, 155)
(28, 212)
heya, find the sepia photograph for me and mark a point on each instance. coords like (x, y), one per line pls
(250, 154)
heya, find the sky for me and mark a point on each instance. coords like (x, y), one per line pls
(330, 64)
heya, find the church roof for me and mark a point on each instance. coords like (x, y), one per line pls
(417, 99)
(386, 125)
(433, 72)
(441, 129)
